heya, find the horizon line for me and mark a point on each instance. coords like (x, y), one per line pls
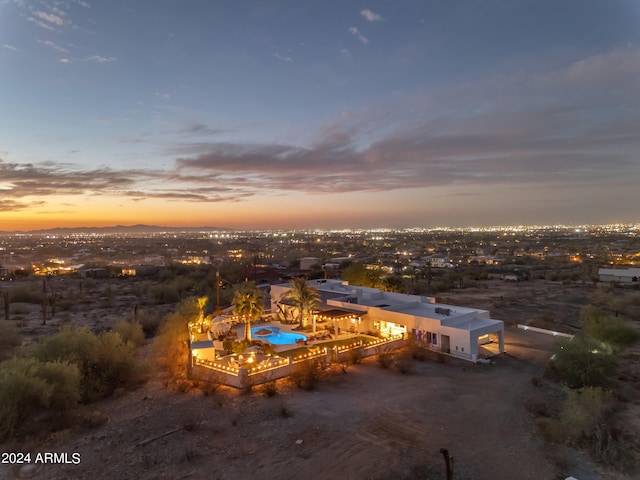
(159, 228)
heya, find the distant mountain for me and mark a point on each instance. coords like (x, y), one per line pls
(120, 229)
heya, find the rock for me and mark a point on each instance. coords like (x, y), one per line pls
(299, 442)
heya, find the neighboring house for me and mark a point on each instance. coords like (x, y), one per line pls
(450, 329)
(625, 276)
(331, 266)
(440, 261)
(140, 271)
(516, 276)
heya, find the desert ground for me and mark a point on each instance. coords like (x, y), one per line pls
(367, 423)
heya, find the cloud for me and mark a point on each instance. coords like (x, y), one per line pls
(557, 128)
(20, 182)
(49, 17)
(41, 24)
(370, 16)
(65, 60)
(10, 47)
(569, 128)
(282, 57)
(53, 45)
(198, 130)
(356, 33)
(100, 59)
(164, 96)
(14, 206)
(345, 54)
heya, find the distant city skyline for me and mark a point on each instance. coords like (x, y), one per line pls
(328, 114)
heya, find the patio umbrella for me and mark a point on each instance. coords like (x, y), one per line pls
(219, 319)
(220, 327)
(263, 331)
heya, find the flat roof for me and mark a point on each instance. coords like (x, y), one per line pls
(433, 310)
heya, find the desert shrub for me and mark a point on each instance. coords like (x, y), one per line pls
(130, 332)
(26, 294)
(269, 389)
(417, 351)
(164, 293)
(9, 339)
(586, 421)
(582, 410)
(150, 322)
(21, 394)
(581, 362)
(105, 361)
(611, 331)
(65, 304)
(116, 364)
(27, 386)
(404, 362)
(267, 349)
(354, 356)
(386, 358)
(227, 344)
(240, 346)
(306, 375)
(64, 377)
(172, 344)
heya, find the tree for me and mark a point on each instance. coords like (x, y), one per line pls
(358, 274)
(247, 301)
(392, 284)
(201, 302)
(611, 331)
(305, 297)
(581, 362)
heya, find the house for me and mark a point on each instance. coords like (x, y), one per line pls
(440, 260)
(140, 271)
(628, 276)
(453, 330)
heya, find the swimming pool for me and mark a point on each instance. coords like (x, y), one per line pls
(275, 336)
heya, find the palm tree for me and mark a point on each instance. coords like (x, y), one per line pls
(305, 296)
(248, 303)
(201, 302)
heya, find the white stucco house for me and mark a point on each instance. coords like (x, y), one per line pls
(453, 330)
(620, 275)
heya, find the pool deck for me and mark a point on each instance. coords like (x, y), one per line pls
(218, 351)
(289, 328)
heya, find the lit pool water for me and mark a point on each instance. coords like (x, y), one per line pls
(277, 337)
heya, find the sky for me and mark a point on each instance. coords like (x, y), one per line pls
(319, 114)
